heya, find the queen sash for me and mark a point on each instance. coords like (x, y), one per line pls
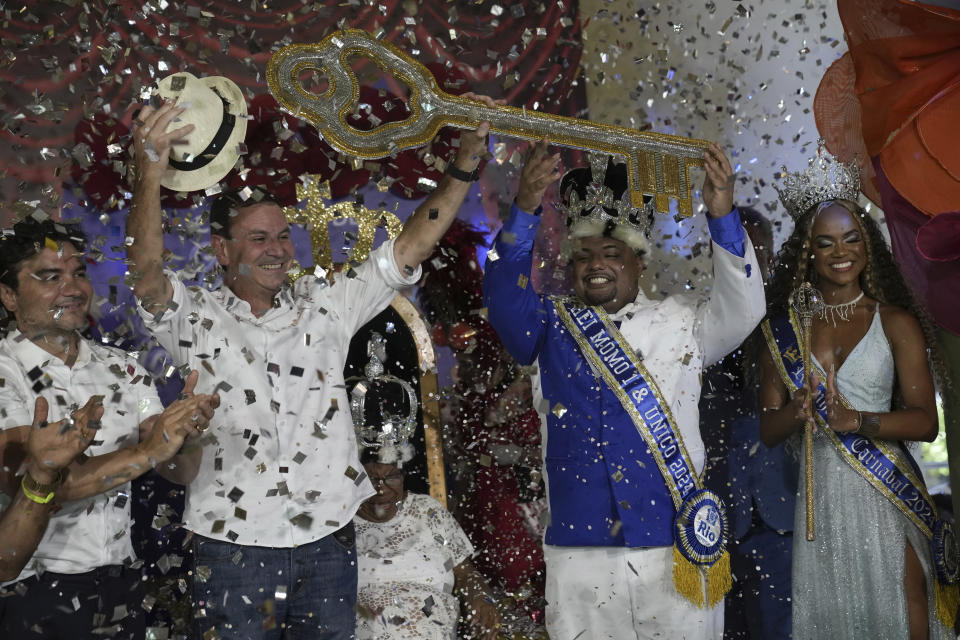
(700, 527)
(875, 460)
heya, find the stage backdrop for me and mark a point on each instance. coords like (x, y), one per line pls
(71, 71)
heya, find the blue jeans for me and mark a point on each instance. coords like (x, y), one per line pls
(62, 606)
(253, 593)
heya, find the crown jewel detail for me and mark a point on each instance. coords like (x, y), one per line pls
(825, 179)
(391, 437)
(600, 205)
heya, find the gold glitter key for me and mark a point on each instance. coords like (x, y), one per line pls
(658, 163)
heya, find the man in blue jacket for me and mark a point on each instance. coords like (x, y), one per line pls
(634, 548)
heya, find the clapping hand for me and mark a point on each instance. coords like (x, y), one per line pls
(839, 417)
(53, 446)
(186, 418)
(802, 403)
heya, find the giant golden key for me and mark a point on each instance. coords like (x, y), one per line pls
(657, 163)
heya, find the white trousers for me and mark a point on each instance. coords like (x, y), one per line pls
(621, 593)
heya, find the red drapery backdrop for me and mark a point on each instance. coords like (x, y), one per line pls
(72, 71)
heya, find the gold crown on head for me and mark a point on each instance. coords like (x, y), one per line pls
(825, 179)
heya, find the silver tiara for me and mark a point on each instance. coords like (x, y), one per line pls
(825, 179)
(601, 206)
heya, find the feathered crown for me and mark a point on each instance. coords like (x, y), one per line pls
(384, 430)
(596, 201)
(825, 179)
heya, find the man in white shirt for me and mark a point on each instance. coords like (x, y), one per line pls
(272, 504)
(79, 578)
(50, 447)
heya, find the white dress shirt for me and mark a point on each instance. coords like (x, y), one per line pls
(280, 466)
(95, 531)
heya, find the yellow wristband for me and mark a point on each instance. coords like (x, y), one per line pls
(32, 496)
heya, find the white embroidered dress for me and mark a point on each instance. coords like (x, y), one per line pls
(406, 572)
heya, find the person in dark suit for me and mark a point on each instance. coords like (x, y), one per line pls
(758, 484)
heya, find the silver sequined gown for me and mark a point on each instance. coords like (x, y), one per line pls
(848, 582)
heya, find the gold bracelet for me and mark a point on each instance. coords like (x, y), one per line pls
(37, 487)
(38, 492)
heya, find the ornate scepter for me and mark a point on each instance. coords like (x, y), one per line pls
(806, 301)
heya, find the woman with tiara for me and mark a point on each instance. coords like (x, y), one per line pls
(881, 563)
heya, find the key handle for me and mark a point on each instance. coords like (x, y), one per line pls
(658, 164)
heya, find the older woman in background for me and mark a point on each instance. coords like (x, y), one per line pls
(414, 569)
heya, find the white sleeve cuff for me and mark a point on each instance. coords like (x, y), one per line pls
(172, 308)
(391, 272)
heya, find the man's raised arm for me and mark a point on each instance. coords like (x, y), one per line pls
(434, 216)
(151, 144)
(736, 303)
(514, 310)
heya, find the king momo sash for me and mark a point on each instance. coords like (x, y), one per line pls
(875, 461)
(700, 528)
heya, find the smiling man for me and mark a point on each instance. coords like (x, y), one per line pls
(273, 509)
(634, 548)
(80, 577)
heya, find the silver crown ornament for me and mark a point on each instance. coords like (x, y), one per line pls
(601, 206)
(394, 430)
(825, 179)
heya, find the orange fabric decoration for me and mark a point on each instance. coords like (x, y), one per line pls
(904, 65)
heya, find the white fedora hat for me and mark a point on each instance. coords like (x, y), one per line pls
(217, 109)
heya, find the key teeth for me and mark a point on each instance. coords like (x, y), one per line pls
(636, 198)
(662, 203)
